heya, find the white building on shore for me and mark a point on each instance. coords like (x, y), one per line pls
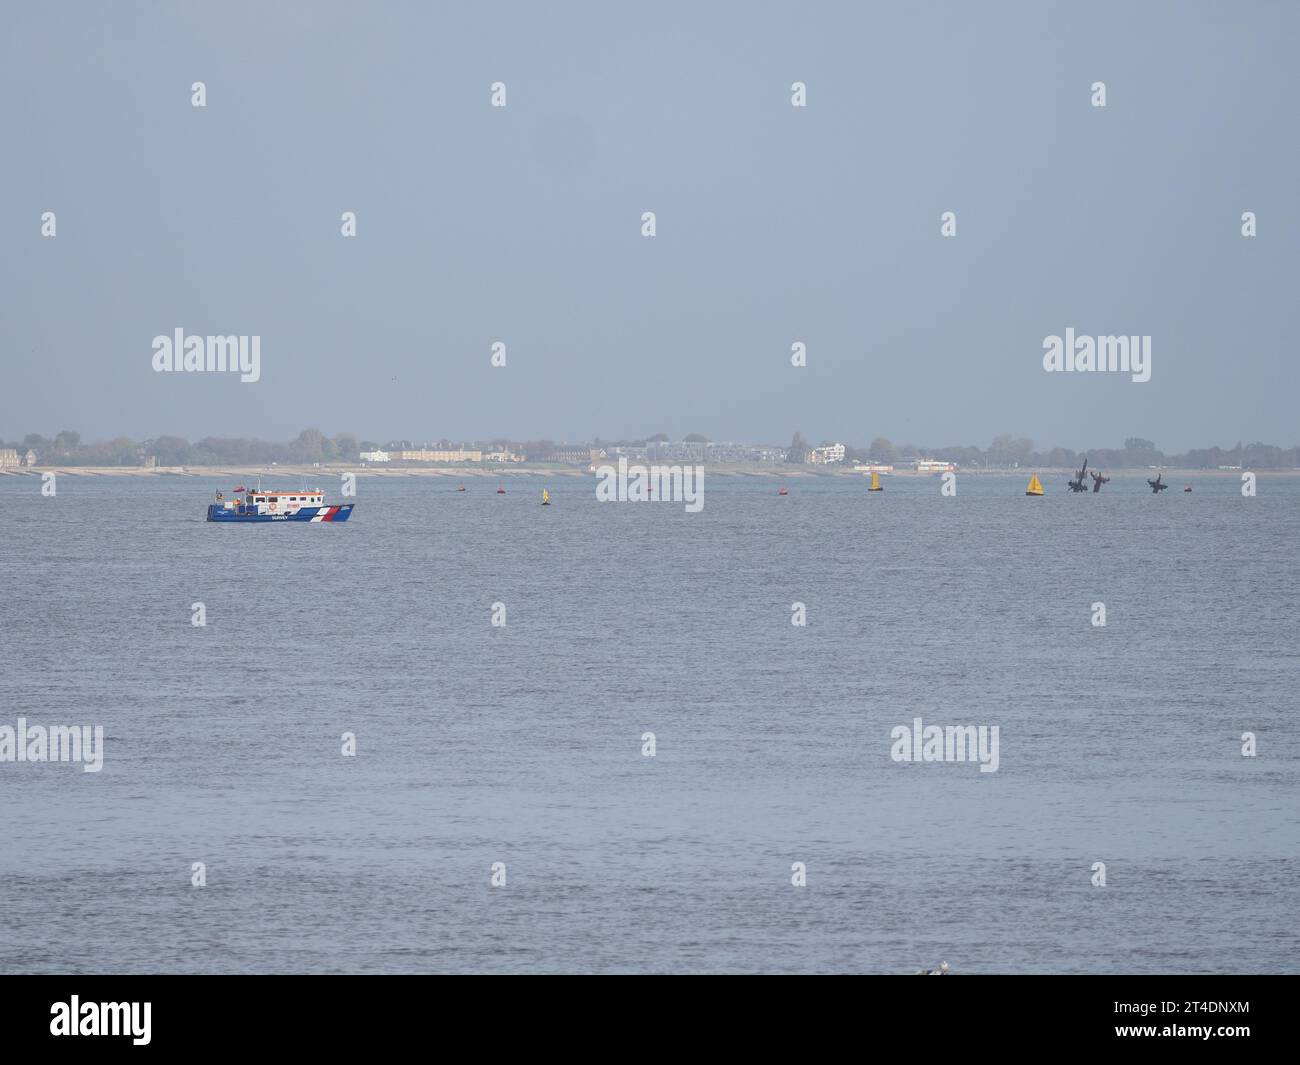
(827, 454)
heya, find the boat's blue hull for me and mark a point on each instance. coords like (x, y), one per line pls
(216, 512)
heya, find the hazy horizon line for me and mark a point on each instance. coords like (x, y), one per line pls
(1017, 443)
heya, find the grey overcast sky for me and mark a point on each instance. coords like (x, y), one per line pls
(775, 224)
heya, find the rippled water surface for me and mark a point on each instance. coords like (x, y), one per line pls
(522, 744)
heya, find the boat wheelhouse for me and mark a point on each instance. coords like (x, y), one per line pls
(260, 505)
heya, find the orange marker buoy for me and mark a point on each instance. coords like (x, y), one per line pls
(784, 492)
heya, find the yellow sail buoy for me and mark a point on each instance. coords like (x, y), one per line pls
(1035, 486)
(546, 498)
(875, 482)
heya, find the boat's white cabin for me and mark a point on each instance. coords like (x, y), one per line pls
(283, 502)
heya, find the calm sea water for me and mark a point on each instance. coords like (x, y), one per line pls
(522, 744)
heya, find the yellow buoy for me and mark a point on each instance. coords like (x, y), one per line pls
(1035, 486)
(875, 482)
(546, 498)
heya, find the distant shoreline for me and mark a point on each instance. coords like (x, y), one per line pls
(465, 472)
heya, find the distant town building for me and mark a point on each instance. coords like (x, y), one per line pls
(678, 451)
(872, 467)
(743, 454)
(699, 451)
(451, 455)
(725, 451)
(576, 454)
(9, 458)
(935, 466)
(149, 462)
(30, 458)
(502, 456)
(822, 456)
(632, 454)
(374, 456)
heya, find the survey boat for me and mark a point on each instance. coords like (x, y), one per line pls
(259, 505)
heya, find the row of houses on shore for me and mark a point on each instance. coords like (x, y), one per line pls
(584, 455)
(12, 459)
(695, 452)
(587, 454)
(457, 456)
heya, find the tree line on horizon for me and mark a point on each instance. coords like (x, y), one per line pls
(66, 448)
(1009, 452)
